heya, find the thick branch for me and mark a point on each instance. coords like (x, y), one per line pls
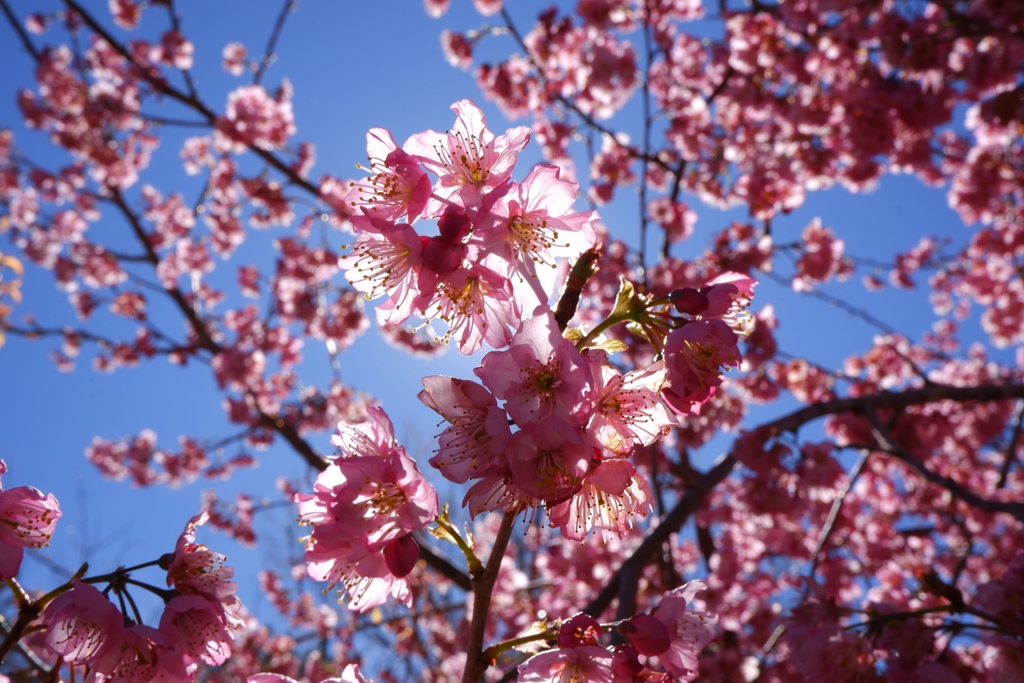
(959, 491)
(693, 496)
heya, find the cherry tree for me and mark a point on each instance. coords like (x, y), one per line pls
(636, 480)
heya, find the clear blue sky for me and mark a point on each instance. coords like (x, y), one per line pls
(353, 65)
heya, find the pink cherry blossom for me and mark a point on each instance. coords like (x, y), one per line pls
(588, 664)
(397, 190)
(388, 263)
(728, 296)
(628, 410)
(142, 654)
(548, 460)
(253, 117)
(363, 508)
(233, 56)
(468, 159)
(533, 224)
(689, 630)
(541, 376)
(194, 569)
(197, 624)
(694, 357)
(478, 304)
(473, 445)
(82, 624)
(373, 437)
(27, 520)
(610, 496)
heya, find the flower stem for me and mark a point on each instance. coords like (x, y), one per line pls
(483, 587)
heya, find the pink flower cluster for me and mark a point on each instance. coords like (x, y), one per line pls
(200, 615)
(363, 510)
(671, 633)
(493, 233)
(577, 417)
(351, 674)
(697, 350)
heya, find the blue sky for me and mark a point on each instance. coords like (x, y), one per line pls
(353, 66)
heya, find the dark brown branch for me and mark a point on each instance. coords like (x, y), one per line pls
(693, 496)
(483, 585)
(436, 560)
(26, 42)
(1011, 448)
(957, 490)
(268, 52)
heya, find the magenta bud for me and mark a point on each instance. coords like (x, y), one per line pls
(580, 630)
(442, 256)
(689, 301)
(626, 664)
(400, 555)
(453, 225)
(648, 635)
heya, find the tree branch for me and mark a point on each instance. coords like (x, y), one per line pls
(959, 491)
(693, 496)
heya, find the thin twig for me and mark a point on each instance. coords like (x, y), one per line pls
(837, 506)
(268, 53)
(26, 42)
(1011, 448)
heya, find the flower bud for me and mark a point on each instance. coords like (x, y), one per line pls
(688, 301)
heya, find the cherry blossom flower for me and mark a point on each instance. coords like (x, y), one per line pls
(687, 631)
(478, 304)
(233, 57)
(388, 263)
(609, 497)
(398, 188)
(628, 409)
(473, 444)
(729, 295)
(548, 460)
(577, 657)
(694, 356)
(468, 160)
(363, 508)
(533, 224)
(568, 665)
(27, 520)
(81, 624)
(253, 117)
(195, 570)
(198, 625)
(126, 13)
(541, 376)
(142, 654)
